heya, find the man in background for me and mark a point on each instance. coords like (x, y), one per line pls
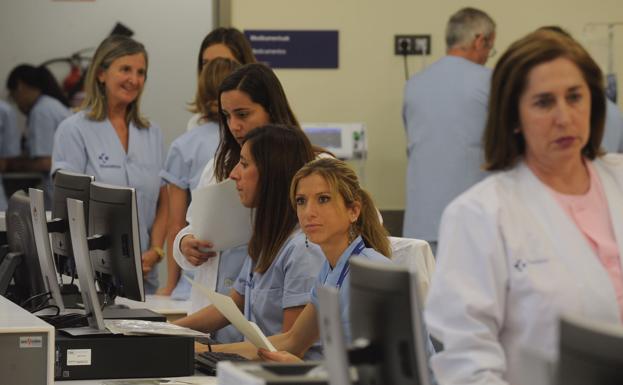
(444, 112)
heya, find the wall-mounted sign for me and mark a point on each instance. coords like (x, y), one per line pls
(295, 49)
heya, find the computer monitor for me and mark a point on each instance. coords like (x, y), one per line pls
(590, 352)
(44, 251)
(21, 264)
(66, 185)
(386, 325)
(114, 242)
(332, 336)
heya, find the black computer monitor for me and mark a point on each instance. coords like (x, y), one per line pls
(66, 185)
(20, 273)
(389, 342)
(114, 241)
(590, 352)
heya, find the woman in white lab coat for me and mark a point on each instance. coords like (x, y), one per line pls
(538, 238)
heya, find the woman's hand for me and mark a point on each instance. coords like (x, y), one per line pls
(192, 248)
(277, 356)
(165, 290)
(150, 258)
(200, 348)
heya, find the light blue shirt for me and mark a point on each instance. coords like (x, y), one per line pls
(10, 138)
(189, 154)
(93, 148)
(187, 157)
(287, 283)
(43, 119)
(330, 277)
(613, 131)
(444, 113)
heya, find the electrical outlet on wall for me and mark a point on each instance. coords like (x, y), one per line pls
(412, 44)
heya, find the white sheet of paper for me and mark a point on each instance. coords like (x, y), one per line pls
(218, 216)
(228, 308)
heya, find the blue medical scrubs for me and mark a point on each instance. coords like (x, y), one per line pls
(339, 278)
(94, 148)
(186, 159)
(613, 130)
(444, 112)
(287, 283)
(43, 119)
(10, 138)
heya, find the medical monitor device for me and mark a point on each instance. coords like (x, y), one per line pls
(21, 264)
(346, 141)
(114, 242)
(44, 251)
(66, 185)
(332, 336)
(388, 338)
(590, 352)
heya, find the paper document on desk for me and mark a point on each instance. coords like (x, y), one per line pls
(218, 216)
(228, 308)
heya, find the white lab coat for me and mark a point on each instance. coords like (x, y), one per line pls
(510, 262)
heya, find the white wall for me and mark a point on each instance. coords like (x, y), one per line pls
(368, 85)
(32, 31)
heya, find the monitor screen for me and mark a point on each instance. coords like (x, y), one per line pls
(114, 241)
(590, 352)
(66, 185)
(386, 324)
(26, 276)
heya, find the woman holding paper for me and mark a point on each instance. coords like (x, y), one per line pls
(187, 157)
(276, 279)
(250, 97)
(338, 215)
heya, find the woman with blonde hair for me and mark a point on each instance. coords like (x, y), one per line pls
(111, 140)
(335, 213)
(187, 157)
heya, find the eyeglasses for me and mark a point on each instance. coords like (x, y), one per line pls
(488, 44)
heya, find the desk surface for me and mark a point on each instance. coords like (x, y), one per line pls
(195, 380)
(164, 305)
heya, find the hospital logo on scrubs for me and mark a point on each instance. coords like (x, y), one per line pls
(103, 158)
(521, 265)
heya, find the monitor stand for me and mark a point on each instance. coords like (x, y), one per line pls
(92, 307)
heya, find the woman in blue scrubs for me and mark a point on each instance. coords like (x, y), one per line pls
(335, 213)
(223, 42)
(111, 140)
(276, 279)
(39, 97)
(250, 97)
(9, 143)
(186, 159)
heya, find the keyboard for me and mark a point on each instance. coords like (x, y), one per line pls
(206, 362)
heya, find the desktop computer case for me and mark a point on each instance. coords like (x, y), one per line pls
(117, 356)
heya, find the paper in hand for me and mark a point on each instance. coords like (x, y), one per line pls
(218, 216)
(229, 310)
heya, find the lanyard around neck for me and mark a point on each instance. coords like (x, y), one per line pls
(346, 268)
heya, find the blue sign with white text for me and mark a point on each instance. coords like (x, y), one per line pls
(295, 49)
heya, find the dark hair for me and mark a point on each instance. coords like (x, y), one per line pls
(210, 79)
(233, 39)
(275, 219)
(262, 86)
(37, 77)
(343, 182)
(503, 147)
